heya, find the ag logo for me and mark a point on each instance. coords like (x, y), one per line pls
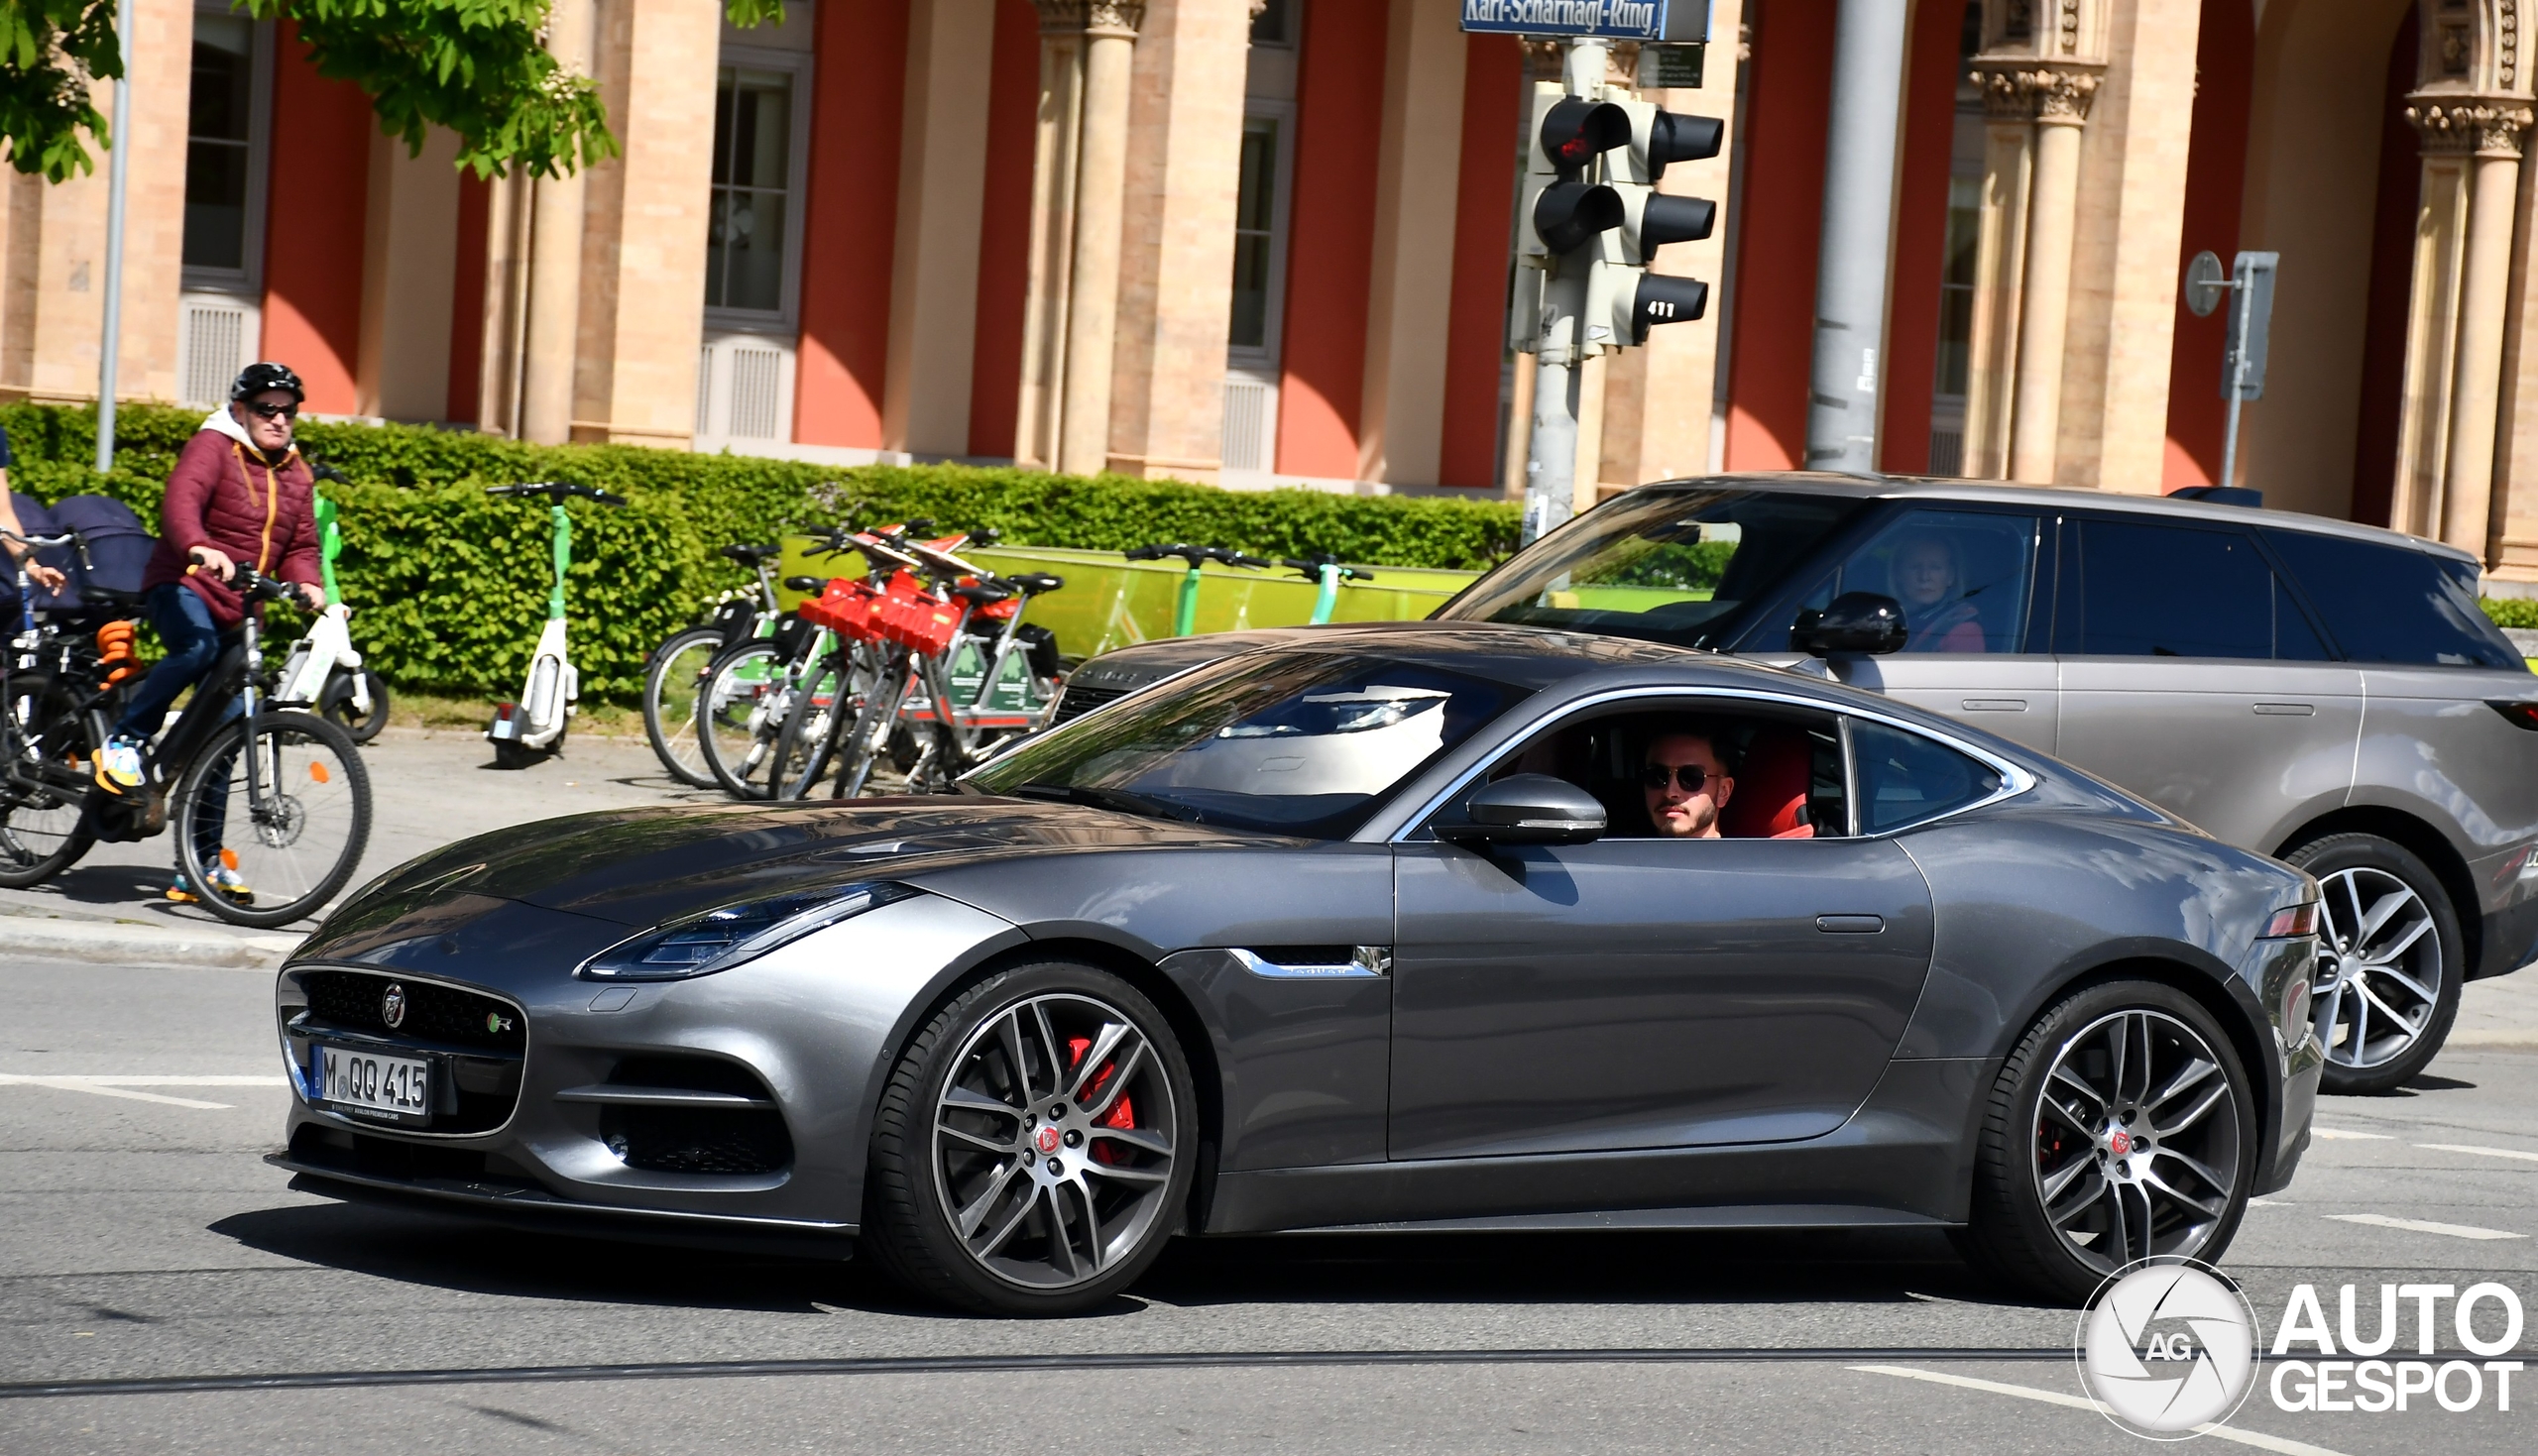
(2166, 1348)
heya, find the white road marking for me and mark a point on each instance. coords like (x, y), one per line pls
(2481, 1151)
(123, 1086)
(2425, 1226)
(2337, 1134)
(2257, 1440)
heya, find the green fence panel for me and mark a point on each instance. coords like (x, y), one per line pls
(1109, 601)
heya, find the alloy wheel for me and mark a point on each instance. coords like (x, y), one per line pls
(2137, 1140)
(2379, 967)
(1054, 1138)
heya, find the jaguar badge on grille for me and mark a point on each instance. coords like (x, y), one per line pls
(391, 1006)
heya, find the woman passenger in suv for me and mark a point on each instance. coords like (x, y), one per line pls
(1930, 579)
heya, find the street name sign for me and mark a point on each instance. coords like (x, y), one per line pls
(1661, 22)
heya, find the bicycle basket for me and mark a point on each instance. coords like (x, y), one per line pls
(735, 620)
(793, 635)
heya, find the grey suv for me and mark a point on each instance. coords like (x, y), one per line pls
(2324, 693)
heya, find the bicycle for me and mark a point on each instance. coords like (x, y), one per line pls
(676, 676)
(303, 798)
(923, 638)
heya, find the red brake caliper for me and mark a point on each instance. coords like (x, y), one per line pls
(1123, 1113)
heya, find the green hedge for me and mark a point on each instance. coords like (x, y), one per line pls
(449, 584)
(2511, 612)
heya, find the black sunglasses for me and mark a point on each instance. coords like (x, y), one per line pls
(272, 412)
(1691, 776)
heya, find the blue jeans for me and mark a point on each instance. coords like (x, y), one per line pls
(194, 642)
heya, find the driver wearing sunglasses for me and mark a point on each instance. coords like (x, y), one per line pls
(1687, 782)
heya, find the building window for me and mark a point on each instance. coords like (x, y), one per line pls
(751, 227)
(1254, 232)
(1275, 25)
(224, 163)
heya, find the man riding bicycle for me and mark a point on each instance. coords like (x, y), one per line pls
(240, 494)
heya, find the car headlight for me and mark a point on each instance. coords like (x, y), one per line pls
(721, 939)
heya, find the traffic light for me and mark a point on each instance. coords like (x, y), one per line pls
(1624, 301)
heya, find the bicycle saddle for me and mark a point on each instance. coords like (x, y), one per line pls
(980, 595)
(812, 583)
(751, 555)
(1031, 584)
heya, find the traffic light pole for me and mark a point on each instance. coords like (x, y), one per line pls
(1551, 454)
(1850, 272)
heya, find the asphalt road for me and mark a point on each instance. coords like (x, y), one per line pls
(143, 1243)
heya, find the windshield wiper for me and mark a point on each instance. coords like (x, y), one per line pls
(1120, 801)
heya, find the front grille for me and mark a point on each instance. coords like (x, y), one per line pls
(722, 1141)
(1081, 700)
(355, 1000)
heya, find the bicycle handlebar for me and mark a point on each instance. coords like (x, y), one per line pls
(34, 544)
(1195, 555)
(557, 492)
(1311, 567)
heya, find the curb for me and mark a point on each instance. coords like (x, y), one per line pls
(140, 945)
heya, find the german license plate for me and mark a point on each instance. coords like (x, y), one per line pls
(366, 1081)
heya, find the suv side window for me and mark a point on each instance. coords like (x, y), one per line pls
(1905, 778)
(2152, 589)
(1964, 578)
(2394, 604)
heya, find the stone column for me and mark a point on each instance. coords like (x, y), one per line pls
(409, 280)
(934, 292)
(1079, 175)
(1401, 420)
(2490, 136)
(555, 260)
(2037, 112)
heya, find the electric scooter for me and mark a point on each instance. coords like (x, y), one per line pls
(1185, 617)
(522, 733)
(1326, 570)
(325, 673)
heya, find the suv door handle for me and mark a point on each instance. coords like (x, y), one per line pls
(2287, 710)
(1995, 704)
(1850, 925)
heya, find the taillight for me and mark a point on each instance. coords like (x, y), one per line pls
(2519, 715)
(2299, 919)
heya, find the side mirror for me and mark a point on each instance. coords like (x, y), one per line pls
(1857, 622)
(1527, 808)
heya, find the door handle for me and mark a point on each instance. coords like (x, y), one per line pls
(2287, 710)
(1850, 925)
(1996, 705)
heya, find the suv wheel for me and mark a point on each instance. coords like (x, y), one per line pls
(2390, 960)
(1034, 1151)
(2121, 1129)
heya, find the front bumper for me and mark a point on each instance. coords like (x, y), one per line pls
(731, 1108)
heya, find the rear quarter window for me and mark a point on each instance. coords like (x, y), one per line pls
(2394, 604)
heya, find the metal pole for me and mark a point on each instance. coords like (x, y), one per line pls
(1851, 270)
(119, 170)
(1551, 454)
(2244, 304)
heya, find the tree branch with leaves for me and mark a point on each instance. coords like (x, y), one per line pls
(477, 67)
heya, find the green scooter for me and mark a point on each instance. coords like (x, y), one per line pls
(1326, 570)
(534, 727)
(1185, 618)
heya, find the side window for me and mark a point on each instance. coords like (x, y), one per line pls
(2394, 604)
(2135, 588)
(1704, 766)
(1905, 778)
(1964, 578)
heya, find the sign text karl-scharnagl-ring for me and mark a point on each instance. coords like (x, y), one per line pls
(1668, 21)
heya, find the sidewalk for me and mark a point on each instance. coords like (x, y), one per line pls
(427, 789)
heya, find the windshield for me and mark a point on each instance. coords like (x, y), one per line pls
(1667, 565)
(1304, 743)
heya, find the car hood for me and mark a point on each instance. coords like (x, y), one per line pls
(643, 866)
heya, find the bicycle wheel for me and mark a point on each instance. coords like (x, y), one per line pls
(43, 831)
(293, 837)
(674, 690)
(876, 720)
(737, 725)
(808, 743)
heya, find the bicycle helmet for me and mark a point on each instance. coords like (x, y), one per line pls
(256, 378)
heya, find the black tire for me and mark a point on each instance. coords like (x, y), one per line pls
(730, 730)
(300, 852)
(44, 828)
(804, 749)
(671, 685)
(2063, 1244)
(1100, 1159)
(2352, 990)
(336, 703)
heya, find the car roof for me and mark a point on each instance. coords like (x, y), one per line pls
(1929, 487)
(1538, 657)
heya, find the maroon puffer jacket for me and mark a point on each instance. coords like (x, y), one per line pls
(227, 496)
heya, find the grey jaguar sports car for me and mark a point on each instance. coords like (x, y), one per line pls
(1420, 926)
